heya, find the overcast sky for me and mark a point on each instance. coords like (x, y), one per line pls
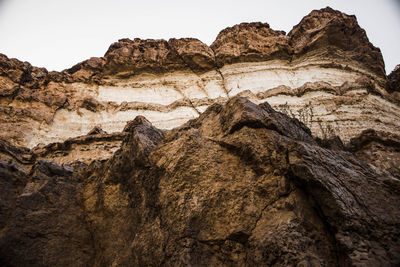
(58, 34)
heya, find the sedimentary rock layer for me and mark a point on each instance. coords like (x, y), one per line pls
(324, 72)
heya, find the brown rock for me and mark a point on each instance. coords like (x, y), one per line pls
(326, 52)
(86, 70)
(196, 54)
(379, 148)
(332, 31)
(242, 185)
(96, 130)
(249, 42)
(139, 120)
(128, 57)
(95, 146)
(91, 104)
(394, 80)
(46, 226)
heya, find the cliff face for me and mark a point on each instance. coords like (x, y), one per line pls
(263, 149)
(325, 72)
(241, 185)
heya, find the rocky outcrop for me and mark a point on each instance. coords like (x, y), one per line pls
(324, 72)
(250, 42)
(331, 34)
(262, 149)
(242, 185)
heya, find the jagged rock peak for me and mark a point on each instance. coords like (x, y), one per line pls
(332, 30)
(139, 120)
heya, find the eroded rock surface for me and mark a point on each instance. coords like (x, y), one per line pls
(242, 185)
(262, 149)
(324, 72)
(378, 148)
(249, 42)
(332, 34)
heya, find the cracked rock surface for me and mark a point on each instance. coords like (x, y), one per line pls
(241, 185)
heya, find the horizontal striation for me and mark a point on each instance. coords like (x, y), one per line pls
(325, 64)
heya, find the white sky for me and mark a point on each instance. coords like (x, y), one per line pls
(58, 34)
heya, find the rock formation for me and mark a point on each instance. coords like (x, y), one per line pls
(324, 72)
(263, 149)
(394, 80)
(241, 185)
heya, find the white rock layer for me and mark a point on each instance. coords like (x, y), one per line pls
(169, 100)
